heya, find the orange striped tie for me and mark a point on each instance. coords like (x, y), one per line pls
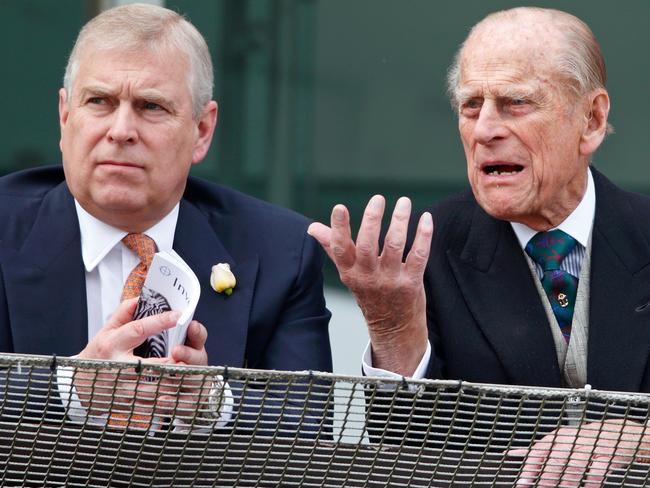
(145, 247)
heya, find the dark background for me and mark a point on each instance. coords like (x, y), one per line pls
(324, 101)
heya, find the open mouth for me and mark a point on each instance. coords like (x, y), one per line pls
(502, 169)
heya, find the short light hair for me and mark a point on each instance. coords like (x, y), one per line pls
(143, 26)
(580, 61)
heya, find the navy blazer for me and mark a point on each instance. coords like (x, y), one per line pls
(487, 322)
(275, 318)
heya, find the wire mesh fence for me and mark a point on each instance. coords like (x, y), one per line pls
(67, 422)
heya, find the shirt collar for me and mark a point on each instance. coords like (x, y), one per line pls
(578, 224)
(98, 238)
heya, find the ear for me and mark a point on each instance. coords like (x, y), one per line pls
(205, 125)
(595, 127)
(63, 111)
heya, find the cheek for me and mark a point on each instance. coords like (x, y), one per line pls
(79, 138)
(465, 131)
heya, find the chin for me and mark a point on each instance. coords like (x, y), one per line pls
(501, 210)
(120, 202)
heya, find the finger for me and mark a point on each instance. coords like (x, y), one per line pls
(197, 334)
(153, 374)
(536, 457)
(368, 236)
(418, 256)
(530, 470)
(152, 360)
(131, 335)
(573, 472)
(322, 233)
(342, 250)
(522, 452)
(173, 383)
(123, 314)
(147, 392)
(393, 252)
(597, 472)
(167, 405)
(189, 355)
(193, 352)
(195, 383)
(553, 468)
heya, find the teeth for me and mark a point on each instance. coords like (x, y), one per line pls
(502, 173)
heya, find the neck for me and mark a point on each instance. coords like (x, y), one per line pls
(565, 204)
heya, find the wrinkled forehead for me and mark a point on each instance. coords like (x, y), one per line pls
(164, 61)
(506, 53)
(134, 51)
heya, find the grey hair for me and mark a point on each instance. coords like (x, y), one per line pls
(580, 61)
(137, 26)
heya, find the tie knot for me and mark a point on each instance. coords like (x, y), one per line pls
(548, 249)
(143, 245)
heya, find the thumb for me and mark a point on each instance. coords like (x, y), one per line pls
(523, 452)
(321, 233)
(123, 314)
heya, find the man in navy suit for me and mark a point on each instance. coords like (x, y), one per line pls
(477, 300)
(136, 112)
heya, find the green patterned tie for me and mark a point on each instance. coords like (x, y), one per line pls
(548, 249)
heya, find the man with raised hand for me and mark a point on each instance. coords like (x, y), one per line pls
(539, 275)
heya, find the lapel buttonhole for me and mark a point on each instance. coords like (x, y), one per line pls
(643, 308)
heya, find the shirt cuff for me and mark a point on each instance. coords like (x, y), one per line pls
(70, 399)
(221, 406)
(369, 370)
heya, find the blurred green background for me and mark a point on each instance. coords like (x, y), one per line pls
(325, 101)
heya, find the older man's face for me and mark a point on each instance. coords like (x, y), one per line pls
(128, 137)
(520, 129)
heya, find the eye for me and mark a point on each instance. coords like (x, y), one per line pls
(471, 106)
(151, 106)
(519, 105)
(96, 101)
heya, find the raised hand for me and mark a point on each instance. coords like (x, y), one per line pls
(388, 289)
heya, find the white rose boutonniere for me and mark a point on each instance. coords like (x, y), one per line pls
(222, 280)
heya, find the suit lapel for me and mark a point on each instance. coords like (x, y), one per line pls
(47, 296)
(495, 280)
(619, 329)
(225, 317)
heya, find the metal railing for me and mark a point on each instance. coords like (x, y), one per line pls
(127, 424)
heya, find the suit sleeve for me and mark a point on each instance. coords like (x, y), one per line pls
(26, 394)
(301, 338)
(300, 343)
(6, 341)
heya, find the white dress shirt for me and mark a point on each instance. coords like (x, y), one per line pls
(108, 263)
(578, 224)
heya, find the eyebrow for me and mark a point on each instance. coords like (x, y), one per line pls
(154, 96)
(149, 95)
(510, 92)
(96, 90)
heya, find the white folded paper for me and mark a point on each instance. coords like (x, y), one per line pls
(170, 285)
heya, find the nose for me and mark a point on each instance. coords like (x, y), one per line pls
(490, 125)
(123, 127)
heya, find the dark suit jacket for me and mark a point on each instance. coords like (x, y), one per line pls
(487, 324)
(275, 318)
(486, 320)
